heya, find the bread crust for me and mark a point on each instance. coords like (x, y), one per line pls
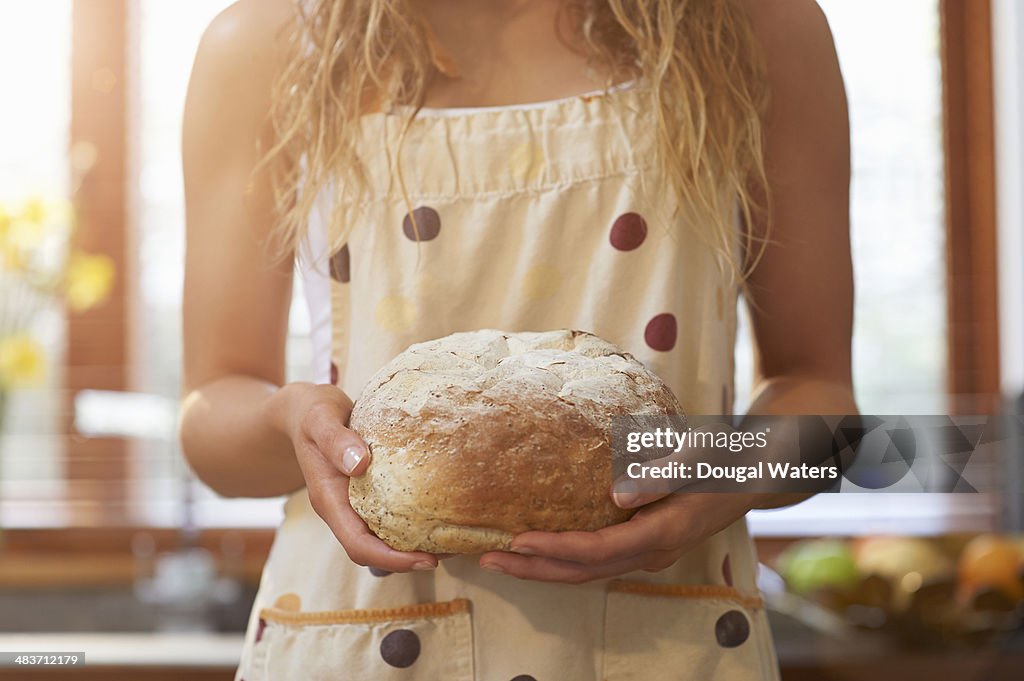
(481, 435)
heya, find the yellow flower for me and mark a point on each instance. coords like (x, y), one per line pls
(88, 281)
(10, 256)
(26, 234)
(47, 214)
(27, 229)
(22, 362)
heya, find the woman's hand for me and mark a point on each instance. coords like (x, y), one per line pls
(670, 521)
(652, 540)
(313, 417)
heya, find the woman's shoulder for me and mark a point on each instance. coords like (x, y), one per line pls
(253, 22)
(231, 88)
(803, 71)
(234, 73)
(790, 27)
(248, 39)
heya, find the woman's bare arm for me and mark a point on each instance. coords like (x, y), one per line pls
(243, 430)
(235, 300)
(801, 293)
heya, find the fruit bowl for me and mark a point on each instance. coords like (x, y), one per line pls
(948, 592)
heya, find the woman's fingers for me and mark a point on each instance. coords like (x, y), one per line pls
(651, 540)
(328, 494)
(324, 426)
(544, 569)
(626, 495)
(653, 529)
(328, 454)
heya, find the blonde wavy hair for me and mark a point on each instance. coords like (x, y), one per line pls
(698, 58)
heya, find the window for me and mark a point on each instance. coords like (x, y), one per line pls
(894, 82)
(894, 85)
(34, 117)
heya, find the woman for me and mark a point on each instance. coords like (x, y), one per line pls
(442, 165)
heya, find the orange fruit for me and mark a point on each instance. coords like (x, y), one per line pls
(990, 561)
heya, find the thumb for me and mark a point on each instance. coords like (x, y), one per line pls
(630, 493)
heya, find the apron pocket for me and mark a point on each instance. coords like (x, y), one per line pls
(426, 641)
(682, 631)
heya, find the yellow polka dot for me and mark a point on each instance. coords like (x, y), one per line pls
(289, 601)
(541, 282)
(526, 161)
(422, 285)
(395, 313)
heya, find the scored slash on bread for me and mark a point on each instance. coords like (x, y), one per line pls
(481, 435)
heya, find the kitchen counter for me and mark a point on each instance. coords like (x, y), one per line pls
(142, 656)
(214, 657)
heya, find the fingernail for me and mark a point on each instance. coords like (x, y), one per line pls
(625, 499)
(522, 550)
(350, 458)
(493, 568)
(423, 565)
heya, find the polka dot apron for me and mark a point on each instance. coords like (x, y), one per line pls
(525, 218)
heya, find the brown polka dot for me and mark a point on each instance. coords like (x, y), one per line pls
(524, 677)
(260, 626)
(427, 227)
(334, 374)
(661, 331)
(400, 648)
(628, 231)
(732, 629)
(379, 572)
(727, 570)
(340, 265)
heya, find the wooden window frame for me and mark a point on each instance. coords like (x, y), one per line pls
(99, 341)
(972, 291)
(97, 470)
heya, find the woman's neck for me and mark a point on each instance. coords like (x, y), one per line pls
(504, 53)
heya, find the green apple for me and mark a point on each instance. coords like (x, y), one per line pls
(818, 563)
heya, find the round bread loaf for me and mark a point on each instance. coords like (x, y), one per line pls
(479, 436)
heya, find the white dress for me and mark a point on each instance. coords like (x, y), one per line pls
(528, 218)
